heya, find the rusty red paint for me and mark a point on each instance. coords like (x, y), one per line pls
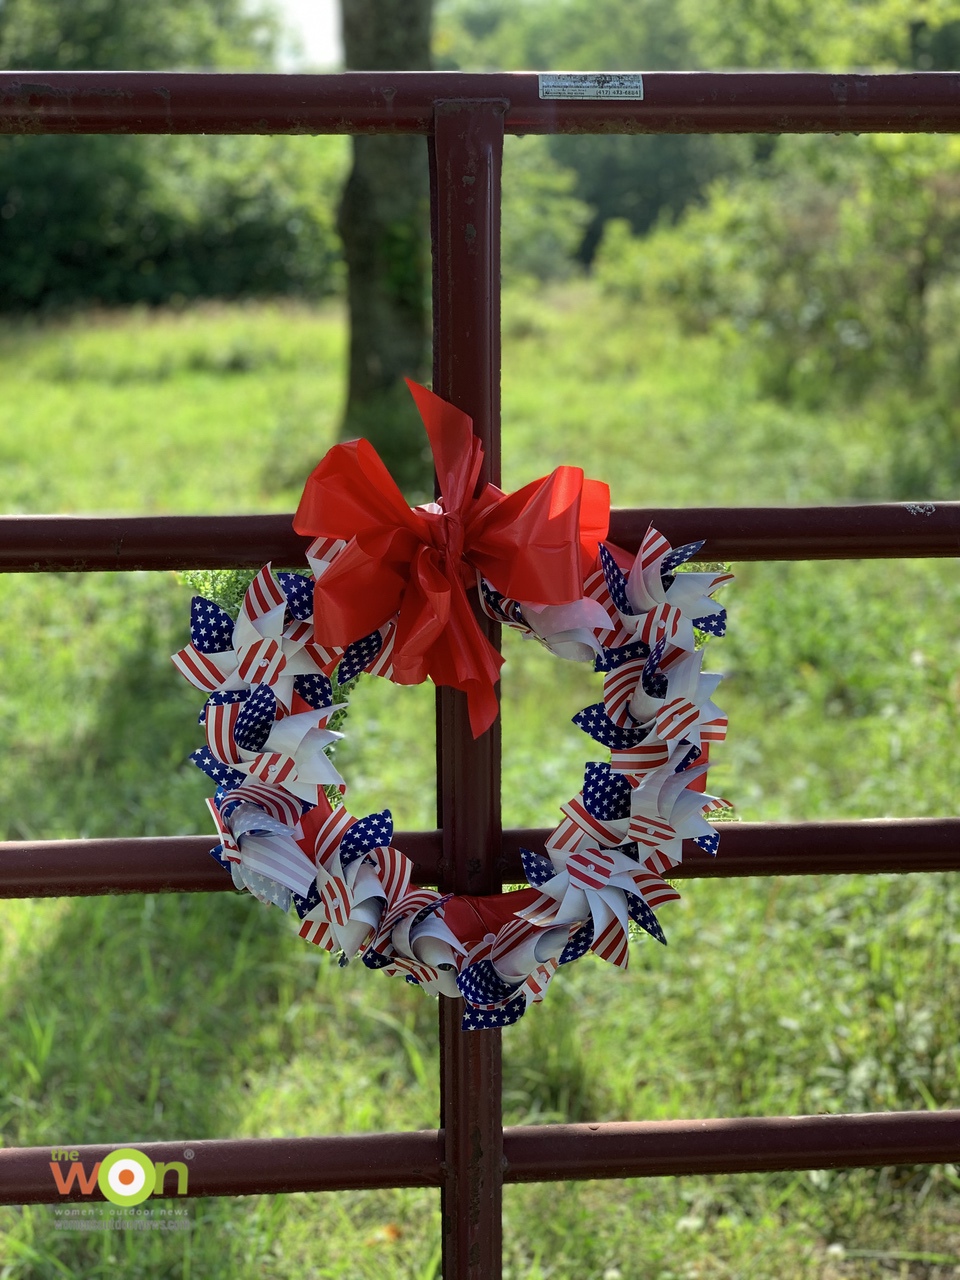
(879, 531)
(181, 864)
(465, 205)
(532, 1153)
(404, 102)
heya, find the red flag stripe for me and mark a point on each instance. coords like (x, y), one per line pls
(394, 872)
(538, 981)
(595, 588)
(613, 945)
(298, 632)
(273, 767)
(318, 932)
(714, 803)
(336, 898)
(579, 823)
(619, 686)
(661, 622)
(642, 827)
(511, 935)
(641, 759)
(326, 659)
(325, 548)
(654, 546)
(279, 804)
(400, 964)
(223, 831)
(198, 668)
(219, 724)
(332, 832)
(261, 662)
(408, 905)
(676, 717)
(264, 593)
(671, 656)
(541, 910)
(382, 664)
(714, 730)
(660, 862)
(654, 890)
(590, 870)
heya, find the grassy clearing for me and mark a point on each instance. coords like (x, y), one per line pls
(138, 1019)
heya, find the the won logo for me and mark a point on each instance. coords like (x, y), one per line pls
(125, 1177)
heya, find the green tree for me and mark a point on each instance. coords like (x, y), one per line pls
(384, 225)
(796, 34)
(142, 219)
(543, 221)
(838, 264)
(837, 274)
(124, 35)
(633, 177)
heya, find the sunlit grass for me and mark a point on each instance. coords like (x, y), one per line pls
(188, 1017)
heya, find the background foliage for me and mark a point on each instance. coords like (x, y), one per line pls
(119, 220)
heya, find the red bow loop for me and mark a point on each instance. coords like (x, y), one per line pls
(416, 564)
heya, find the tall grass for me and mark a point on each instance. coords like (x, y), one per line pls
(188, 1017)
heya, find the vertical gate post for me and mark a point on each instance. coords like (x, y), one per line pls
(465, 216)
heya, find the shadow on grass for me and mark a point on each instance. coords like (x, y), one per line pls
(99, 724)
(138, 1019)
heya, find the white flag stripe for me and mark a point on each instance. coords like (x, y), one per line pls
(265, 592)
(332, 832)
(654, 546)
(198, 668)
(220, 723)
(613, 945)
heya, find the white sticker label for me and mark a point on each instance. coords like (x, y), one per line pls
(593, 84)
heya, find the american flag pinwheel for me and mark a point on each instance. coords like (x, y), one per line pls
(566, 630)
(272, 642)
(667, 808)
(414, 942)
(652, 602)
(259, 828)
(359, 875)
(593, 880)
(289, 752)
(507, 962)
(654, 706)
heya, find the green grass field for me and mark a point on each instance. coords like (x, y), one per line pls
(204, 1016)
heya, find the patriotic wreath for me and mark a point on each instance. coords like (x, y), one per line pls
(388, 594)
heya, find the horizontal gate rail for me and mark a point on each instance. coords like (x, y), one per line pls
(404, 102)
(876, 531)
(181, 864)
(532, 1153)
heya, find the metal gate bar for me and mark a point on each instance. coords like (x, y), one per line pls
(466, 161)
(878, 531)
(180, 864)
(405, 101)
(532, 1153)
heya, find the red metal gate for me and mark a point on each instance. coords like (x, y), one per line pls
(465, 117)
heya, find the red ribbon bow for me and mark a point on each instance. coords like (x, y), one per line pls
(534, 545)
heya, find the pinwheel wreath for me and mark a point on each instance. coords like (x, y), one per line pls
(389, 595)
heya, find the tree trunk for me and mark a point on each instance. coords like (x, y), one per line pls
(384, 223)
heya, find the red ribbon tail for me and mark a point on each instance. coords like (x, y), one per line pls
(483, 706)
